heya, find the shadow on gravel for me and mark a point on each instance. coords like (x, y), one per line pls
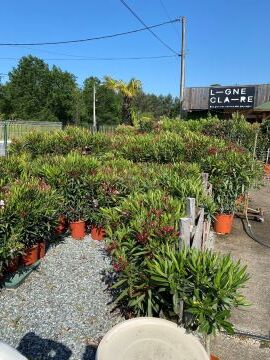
(34, 347)
(90, 353)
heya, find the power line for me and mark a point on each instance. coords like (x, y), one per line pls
(93, 38)
(148, 28)
(176, 29)
(101, 58)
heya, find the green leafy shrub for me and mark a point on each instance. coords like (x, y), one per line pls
(146, 123)
(60, 142)
(232, 173)
(181, 126)
(31, 206)
(14, 167)
(73, 176)
(161, 148)
(10, 245)
(125, 130)
(205, 282)
(135, 231)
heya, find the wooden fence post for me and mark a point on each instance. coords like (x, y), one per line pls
(198, 235)
(191, 209)
(184, 236)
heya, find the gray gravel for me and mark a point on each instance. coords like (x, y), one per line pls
(62, 307)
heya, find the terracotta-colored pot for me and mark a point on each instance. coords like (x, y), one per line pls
(213, 357)
(13, 265)
(98, 233)
(31, 255)
(267, 169)
(60, 228)
(42, 249)
(223, 223)
(77, 229)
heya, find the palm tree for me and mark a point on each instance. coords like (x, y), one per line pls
(129, 91)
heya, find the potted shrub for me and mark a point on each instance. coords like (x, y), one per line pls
(225, 196)
(232, 173)
(207, 284)
(76, 206)
(76, 217)
(33, 207)
(10, 250)
(97, 223)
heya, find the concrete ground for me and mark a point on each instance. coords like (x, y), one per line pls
(254, 319)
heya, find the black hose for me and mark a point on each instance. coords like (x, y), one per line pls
(249, 335)
(249, 231)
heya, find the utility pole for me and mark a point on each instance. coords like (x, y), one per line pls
(94, 108)
(182, 63)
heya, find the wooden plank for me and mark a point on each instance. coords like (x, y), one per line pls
(184, 233)
(198, 236)
(205, 177)
(206, 233)
(191, 209)
(210, 189)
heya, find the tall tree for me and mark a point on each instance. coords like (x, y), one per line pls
(34, 92)
(156, 105)
(61, 100)
(28, 87)
(129, 91)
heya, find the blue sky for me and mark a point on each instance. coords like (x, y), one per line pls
(227, 41)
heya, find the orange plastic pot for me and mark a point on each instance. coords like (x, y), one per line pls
(223, 223)
(31, 255)
(98, 233)
(42, 249)
(13, 265)
(61, 225)
(77, 229)
(267, 169)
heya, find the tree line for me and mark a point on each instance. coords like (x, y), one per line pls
(35, 91)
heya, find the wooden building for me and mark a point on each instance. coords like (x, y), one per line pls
(224, 100)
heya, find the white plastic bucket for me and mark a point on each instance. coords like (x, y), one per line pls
(149, 338)
(8, 353)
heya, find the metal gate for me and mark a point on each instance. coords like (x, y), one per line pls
(12, 129)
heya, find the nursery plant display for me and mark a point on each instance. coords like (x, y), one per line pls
(130, 188)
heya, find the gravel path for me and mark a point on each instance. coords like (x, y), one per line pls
(62, 307)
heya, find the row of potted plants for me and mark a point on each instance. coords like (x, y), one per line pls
(235, 130)
(28, 213)
(86, 183)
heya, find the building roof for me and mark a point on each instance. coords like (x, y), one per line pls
(263, 107)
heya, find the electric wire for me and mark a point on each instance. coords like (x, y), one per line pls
(148, 28)
(176, 29)
(93, 38)
(101, 58)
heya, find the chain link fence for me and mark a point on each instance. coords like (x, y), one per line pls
(12, 129)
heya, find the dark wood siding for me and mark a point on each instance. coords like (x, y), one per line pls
(196, 98)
